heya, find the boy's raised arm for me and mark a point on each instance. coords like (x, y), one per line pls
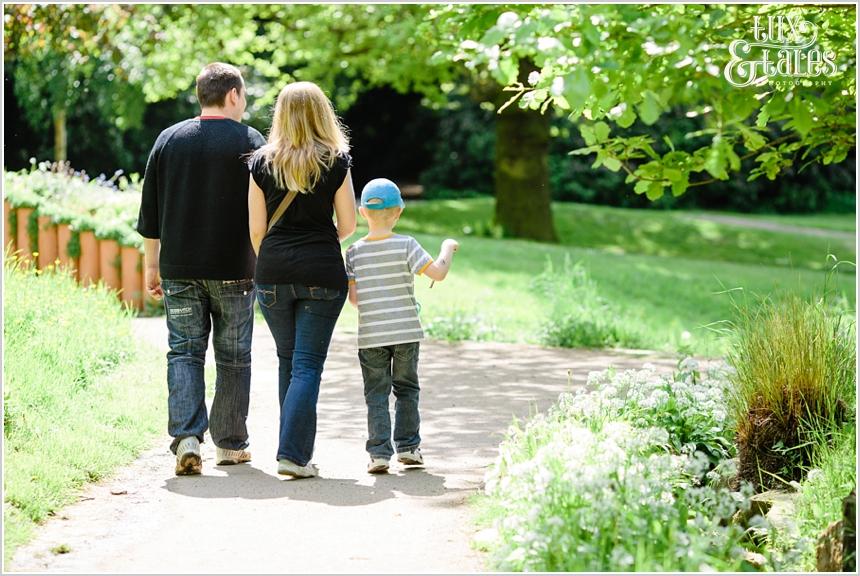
(438, 270)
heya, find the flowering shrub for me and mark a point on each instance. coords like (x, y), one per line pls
(102, 205)
(611, 480)
(690, 406)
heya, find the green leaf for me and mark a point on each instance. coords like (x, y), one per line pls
(641, 187)
(627, 118)
(801, 118)
(668, 142)
(649, 108)
(601, 131)
(508, 71)
(577, 87)
(601, 156)
(655, 191)
(583, 151)
(613, 164)
(646, 147)
(561, 102)
(587, 134)
(715, 161)
(734, 161)
(672, 174)
(752, 139)
(680, 186)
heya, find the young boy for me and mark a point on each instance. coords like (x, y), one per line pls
(380, 269)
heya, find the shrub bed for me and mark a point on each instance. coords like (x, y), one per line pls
(616, 479)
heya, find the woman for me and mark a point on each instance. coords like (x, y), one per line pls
(300, 276)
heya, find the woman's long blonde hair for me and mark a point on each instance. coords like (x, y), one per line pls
(306, 136)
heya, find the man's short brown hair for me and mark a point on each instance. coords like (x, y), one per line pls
(215, 81)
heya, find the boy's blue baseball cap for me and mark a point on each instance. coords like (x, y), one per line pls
(383, 192)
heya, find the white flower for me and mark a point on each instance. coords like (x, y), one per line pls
(546, 43)
(507, 20)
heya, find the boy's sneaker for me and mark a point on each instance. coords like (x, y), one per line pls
(377, 465)
(188, 460)
(290, 468)
(226, 456)
(411, 457)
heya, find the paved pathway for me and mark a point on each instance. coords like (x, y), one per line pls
(247, 519)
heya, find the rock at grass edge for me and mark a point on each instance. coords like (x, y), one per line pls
(828, 550)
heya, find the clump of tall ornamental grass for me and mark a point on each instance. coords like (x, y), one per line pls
(794, 383)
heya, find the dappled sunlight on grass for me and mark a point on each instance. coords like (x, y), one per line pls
(708, 230)
(664, 273)
(632, 231)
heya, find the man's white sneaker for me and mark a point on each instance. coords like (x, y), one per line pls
(188, 460)
(290, 468)
(411, 457)
(225, 456)
(377, 465)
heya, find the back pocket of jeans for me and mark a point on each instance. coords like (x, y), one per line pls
(175, 287)
(267, 295)
(322, 293)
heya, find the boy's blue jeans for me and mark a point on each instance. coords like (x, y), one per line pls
(386, 369)
(302, 319)
(193, 308)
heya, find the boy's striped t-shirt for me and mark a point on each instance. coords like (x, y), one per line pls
(383, 272)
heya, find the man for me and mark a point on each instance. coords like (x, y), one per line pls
(194, 220)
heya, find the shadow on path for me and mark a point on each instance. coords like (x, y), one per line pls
(246, 482)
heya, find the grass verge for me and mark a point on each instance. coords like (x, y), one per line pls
(81, 396)
(820, 501)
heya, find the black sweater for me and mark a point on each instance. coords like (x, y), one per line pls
(195, 199)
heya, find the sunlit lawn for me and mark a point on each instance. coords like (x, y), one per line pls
(661, 272)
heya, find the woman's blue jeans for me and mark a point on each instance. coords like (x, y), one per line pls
(302, 319)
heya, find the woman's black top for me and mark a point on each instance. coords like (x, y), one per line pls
(302, 247)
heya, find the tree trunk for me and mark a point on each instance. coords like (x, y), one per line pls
(60, 135)
(523, 196)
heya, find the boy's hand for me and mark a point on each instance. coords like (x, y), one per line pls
(439, 269)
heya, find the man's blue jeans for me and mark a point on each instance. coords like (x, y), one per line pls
(302, 319)
(193, 308)
(387, 368)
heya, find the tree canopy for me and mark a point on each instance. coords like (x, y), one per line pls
(613, 70)
(608, 65)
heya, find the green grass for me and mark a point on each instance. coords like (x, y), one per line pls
(837, 222)
(820, 500)
(661, 283)
(81, 396)
(645, 232)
